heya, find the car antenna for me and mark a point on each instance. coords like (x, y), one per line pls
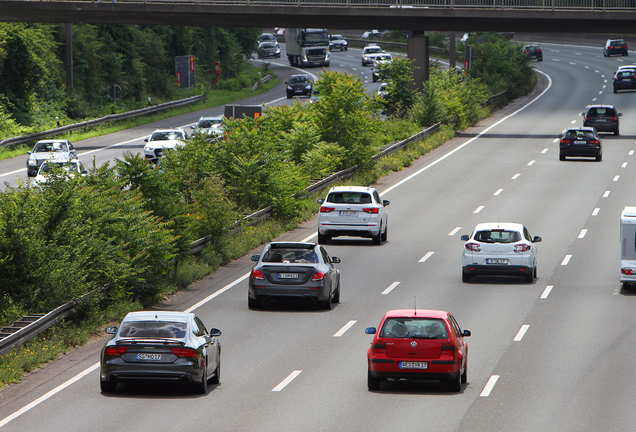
(415, 305)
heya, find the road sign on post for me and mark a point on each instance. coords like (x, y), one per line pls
(186, 74)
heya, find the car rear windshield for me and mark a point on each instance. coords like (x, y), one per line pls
(601, 112)
(290, 256)
(153, 329)
(580, 134)
(349, 197)
(414, 328)
(497, 236)
(626, 74)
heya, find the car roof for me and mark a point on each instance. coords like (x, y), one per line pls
(351, 189)
(52, 141)
(159, 316)
(169, 130)
(299, 75)
(297, 245)
(583, 128)
(211, 118)
(412, 313)
(600, 106)
(499, 225)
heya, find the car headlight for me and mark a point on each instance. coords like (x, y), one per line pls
(33, 162)
(289, 88)
(308, 86)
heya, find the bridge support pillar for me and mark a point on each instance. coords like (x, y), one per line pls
(417, 49)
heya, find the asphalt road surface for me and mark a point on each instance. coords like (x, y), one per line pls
(554, 355)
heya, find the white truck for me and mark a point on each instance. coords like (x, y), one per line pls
(307, 47)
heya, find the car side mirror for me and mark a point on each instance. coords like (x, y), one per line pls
(215, 332)
(29, 152)
(370, 330)
(192, 127)
(464, 237)
(466, 333)
(84, 171)
(111, 330)
(286, 82)
(386, 202)
(583, 113)
(620, 114)
(255, 257)
(146, 140)
(335, 260)
(321, 201)
(536, 239)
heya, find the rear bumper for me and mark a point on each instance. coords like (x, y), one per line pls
(583, 151)
(602, 127)
(497, 270)
(122, 372)
(442, 370)
(265, 292)
(367, 231)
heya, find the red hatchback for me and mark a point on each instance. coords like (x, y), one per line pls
(418, 344)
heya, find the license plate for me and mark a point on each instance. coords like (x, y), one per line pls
(413, 365)
(601, 120)
(348, 213)
(287, 275)
(580, 142)
(144, 356)
(497, 261)
(299, 91)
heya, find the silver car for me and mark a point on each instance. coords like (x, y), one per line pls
(503, 249)
(46, 150)
(354, 211)
(161, 346)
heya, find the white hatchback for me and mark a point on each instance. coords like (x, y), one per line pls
(504, 249)
(353, 211)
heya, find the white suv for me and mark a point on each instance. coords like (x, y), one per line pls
(354, 211)
(504, 249)
(161, 140)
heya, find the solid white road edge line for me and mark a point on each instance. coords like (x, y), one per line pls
(522, 331)
(286, 381)
(489, 386)
(346, 327)
(390, 288)
(216, 293)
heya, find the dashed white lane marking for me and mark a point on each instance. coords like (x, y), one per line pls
(582, 233)
(616, 178)
(601, 92)
(624, 165)
(453, 232)
(489, 386)
(573, 121)
(631, 152)
(425, 257)
(604, 86)
(594, 100)
(572, 63)
(478, 209)
(556, 140)
(522, 331)
(544, 151)
(390, 288)
(516, 176)
(595, 212)
(286, 381)
(566, 260)
(546, 291)
(531, 163)
(346, 327)
(606, 194)
(498, 192)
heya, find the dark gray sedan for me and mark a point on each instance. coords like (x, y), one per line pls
(162, 346)
(294, 269)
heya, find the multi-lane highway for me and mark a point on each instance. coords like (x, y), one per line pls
(552, 355)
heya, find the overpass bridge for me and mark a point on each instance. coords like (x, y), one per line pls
(554, 16)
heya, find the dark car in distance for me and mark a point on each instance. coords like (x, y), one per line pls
(337, 42)
(615, 47)
(294, 270)
(580, 142)
(603, 118)
(533, 52)
(161, 346)
(624, 79)
(299, 85)
(268, 50)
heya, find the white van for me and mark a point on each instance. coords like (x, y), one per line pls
(628, 247)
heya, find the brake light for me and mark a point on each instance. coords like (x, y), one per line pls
(184, 352)
(628, 271)
(448, 350)
(593, 141)
(257, 274)
(370, 210)
(115, 350)
(614, 118)
(522, 248)
(565, 141)
(587, 117)
(378, 348)
(318, 276)
(326, 209)
(474, 247)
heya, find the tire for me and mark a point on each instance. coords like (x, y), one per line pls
(528, 278)
(535, 272)
(466, 277)
(327, 304)
(336, 296)
(455, 383)
(374, 78)
(217, 373)
(107, 386)
(373, 383)
(616, 133)
(253, 303)
(561, 157)
(289, 96)
(323, 239)
(202, 387)
(465, 374)
(615, 91)
(377, 239)
(599, 158)
(385, 234)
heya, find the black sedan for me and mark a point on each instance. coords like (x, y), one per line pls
(581, 142)
(624, 79)
(299, 85)
(294, 269)
(161, 346)
(268, 50)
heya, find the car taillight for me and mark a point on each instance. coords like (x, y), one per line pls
(370, 210)
(326, 209)
(115, 350)
(318, 276)
(539, 51)
(522, 248)
(587, 117)
(472, 247)
(593, 141)
(614, 118)
(448, 350)
(257, 274)
(378, 347)
(184, 352)
(628, 271)
(565, 141)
